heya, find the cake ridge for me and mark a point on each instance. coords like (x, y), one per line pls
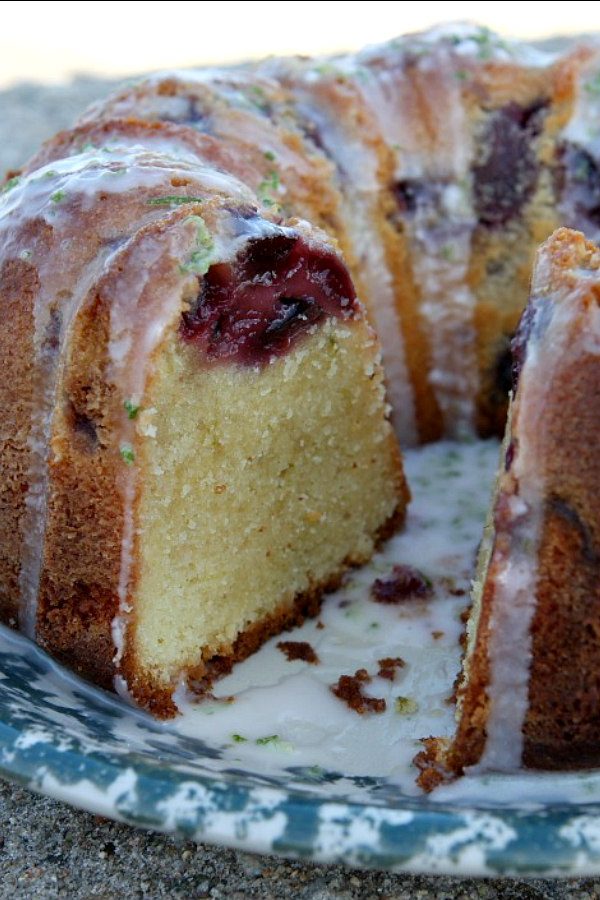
(193, 230)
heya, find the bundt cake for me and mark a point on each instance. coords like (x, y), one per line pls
(530, 684)
(194, 435)
(195, 441)
(440, 162)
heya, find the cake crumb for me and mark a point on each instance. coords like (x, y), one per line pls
(405, 583)
(389, 665)
(320, 625)
(298, 650)
(430, 763)
(436, 635)
(349, 690)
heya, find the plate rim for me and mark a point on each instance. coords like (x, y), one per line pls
(525, 856)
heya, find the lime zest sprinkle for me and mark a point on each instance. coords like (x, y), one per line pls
(274, 741)
(173, 200)
(406, 706)
(267, 186)
(58, 196)
(131, 408)
(201, 258)
(271, 739)
(593, 85)
(127, 454)
(10, 184)
(239, 739)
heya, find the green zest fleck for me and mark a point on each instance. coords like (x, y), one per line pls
(447, 252)
(488, 42)
(173, 200)
(258, 97)
(461, 74)
(238, 739)
(583, 170)
(275, 742)
(272, 739)
(131, 408)
(201, 258)
(58, 196)
(593, 85)
(127, 454)
(406, 706)
(265, 189)
(10, 184)
(49, 173)
(268, 154)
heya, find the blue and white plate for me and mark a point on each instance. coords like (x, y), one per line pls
(286, 767)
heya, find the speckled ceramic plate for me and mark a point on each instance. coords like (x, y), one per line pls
(71, 741)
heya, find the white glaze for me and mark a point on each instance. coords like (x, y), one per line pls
(358, 166)
(583, 131)
(439, 234)
(293, 700)
(470, 41)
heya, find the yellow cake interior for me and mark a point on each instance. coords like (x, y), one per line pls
(257, 486)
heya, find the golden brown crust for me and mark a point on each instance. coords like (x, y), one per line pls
(562, 725)
(563, 721)
(502, 257)
(19, 283)
(78, 595)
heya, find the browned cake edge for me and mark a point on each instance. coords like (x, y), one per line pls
(561, 729)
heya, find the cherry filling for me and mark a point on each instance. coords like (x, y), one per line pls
(520, 340)
(534, 322)
(578, 178)
(259, 305)
(506, 171)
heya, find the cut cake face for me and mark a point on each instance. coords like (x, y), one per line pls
(197, 441)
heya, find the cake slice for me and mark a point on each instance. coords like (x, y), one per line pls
(195, 440)
(530, 689)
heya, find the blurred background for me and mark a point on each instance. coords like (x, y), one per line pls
(57, 57)
(53, 40)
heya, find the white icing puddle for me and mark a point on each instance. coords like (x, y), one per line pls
(285, 714)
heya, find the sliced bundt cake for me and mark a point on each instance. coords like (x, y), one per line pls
(195, 441)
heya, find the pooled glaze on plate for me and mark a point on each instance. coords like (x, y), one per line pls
(305, 775)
